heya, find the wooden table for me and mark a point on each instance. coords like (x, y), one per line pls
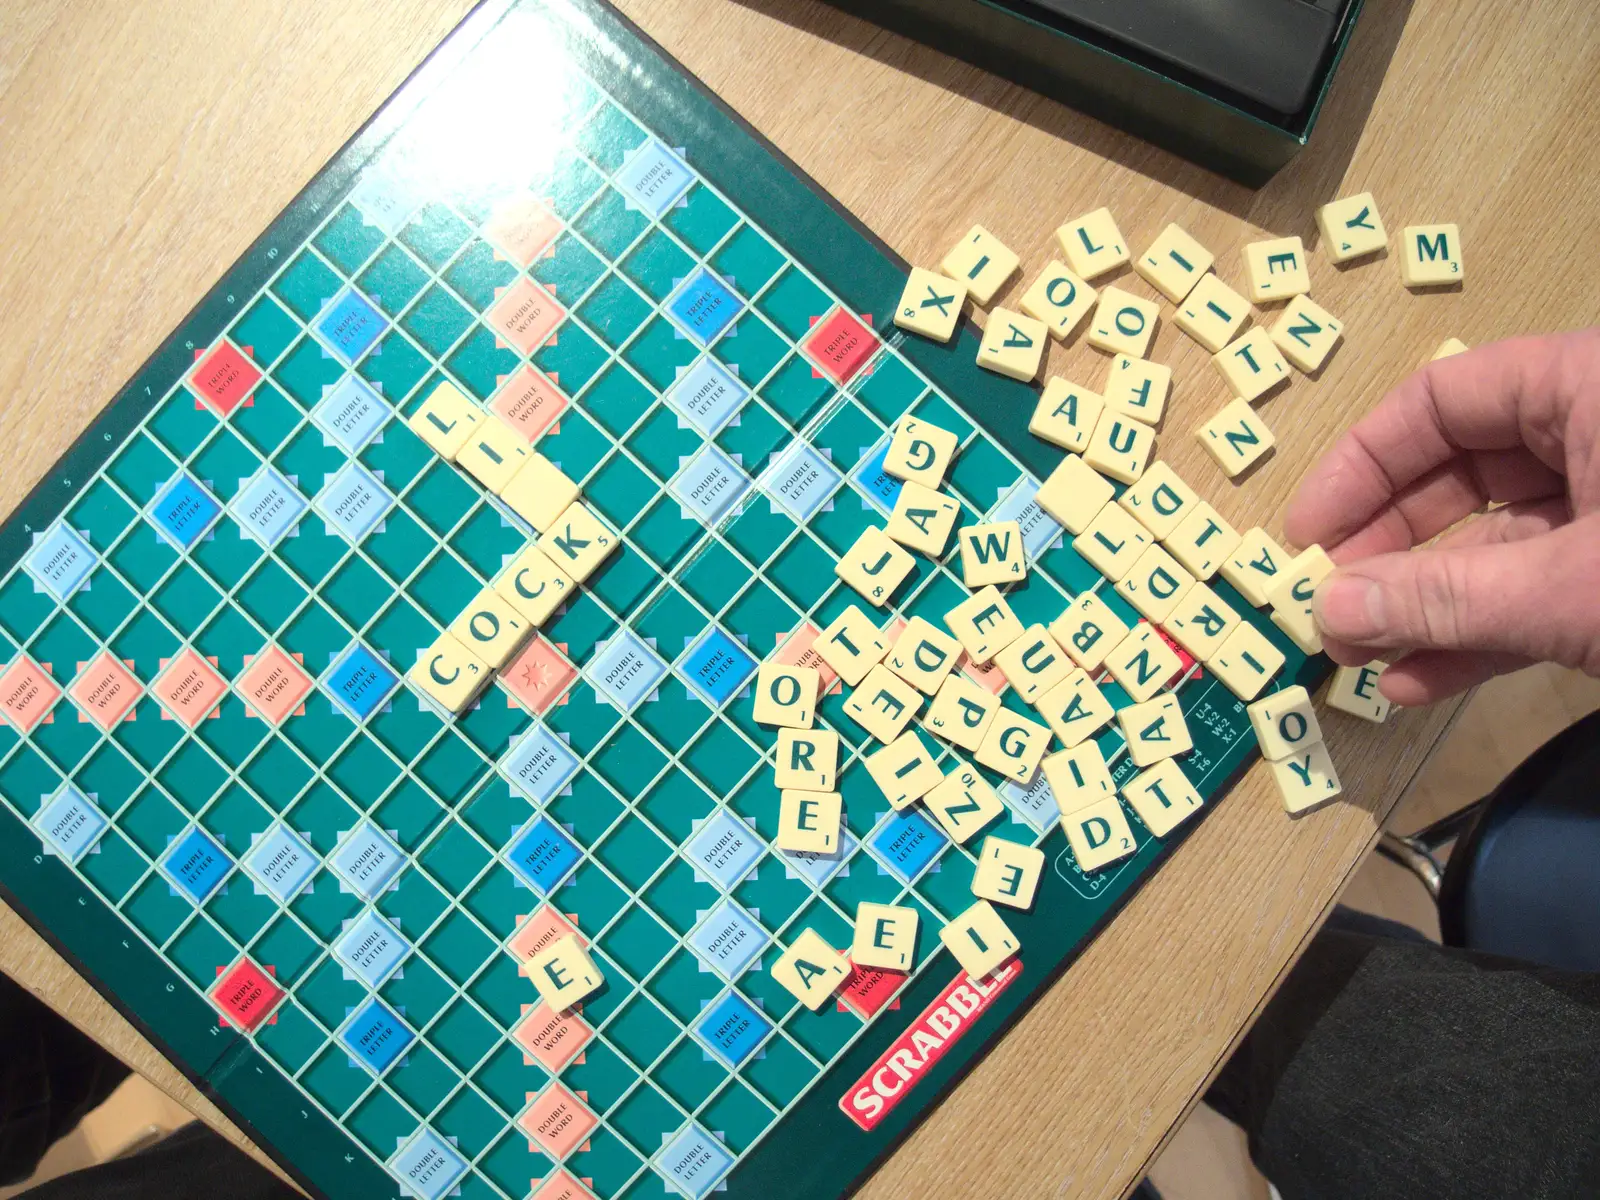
(147, 142)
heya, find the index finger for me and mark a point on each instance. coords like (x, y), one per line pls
(1496, 397)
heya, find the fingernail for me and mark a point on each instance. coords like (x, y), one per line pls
(1349, 606)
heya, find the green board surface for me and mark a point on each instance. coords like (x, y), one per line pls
(252, 517)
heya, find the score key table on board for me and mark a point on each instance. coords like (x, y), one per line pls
(262, 526)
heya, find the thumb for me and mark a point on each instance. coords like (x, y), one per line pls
(1534, 597)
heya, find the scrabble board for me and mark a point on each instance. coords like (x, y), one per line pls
(316, 891)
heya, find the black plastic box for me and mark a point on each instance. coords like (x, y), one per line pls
(1181, 111)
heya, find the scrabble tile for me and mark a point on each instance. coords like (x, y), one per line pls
(1034, 663)
(1246, 661)
(883, 704)
(1075, 708)
(1201, 622)
(1354, 690)
(1142, 663)
(979, 940)
(786, 695)
(1154, 730)
(1449, 347)
(1174, 263)
(1093, 244)
(903, 770)
(992, 553)
(963, 803)
(930, 304)
(564, 973)
(1251, 364)
(1074, 493)
(1351, 228)
(851, 644)
(874, 566)
(1276, 268)
(1305, 636)
(445, 419)
(923, 655)
(1013, 745)
(534, 585)
(1078, 777)
(922, 519)
(1155, 584)
(1088, 630)
(1253, 568)
(540, 492)
(1137, 388)
(961, 712)
(808, 822)
(1058, 300)
(1013, 345)
(1098, 834)
(1202, 541)
(1007, 873)
(1236, 437)
(450, 674)
(984, 624)
(1119, 447)
(885, 936)
(493, 453)
(492, 628)
(1284, 721)
(579, 541)
(1430, 256)
(1123, 323)
(1113, 542)
(920, 452)
(807, 760)
(982, 262)
(1162, 796)
(810, 970)
(1292, 594)
(1306, 333)
(1306, 779)
(1212, 313)
(1065, 415)
(1159, 500)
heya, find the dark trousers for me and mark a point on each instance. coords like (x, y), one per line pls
(51, 1076)
(1386, 1066)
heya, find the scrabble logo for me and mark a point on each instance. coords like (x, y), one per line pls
(925, 1041)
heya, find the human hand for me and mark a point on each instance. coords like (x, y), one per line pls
(1516, 423)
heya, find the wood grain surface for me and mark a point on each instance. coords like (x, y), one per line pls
(146, 143)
